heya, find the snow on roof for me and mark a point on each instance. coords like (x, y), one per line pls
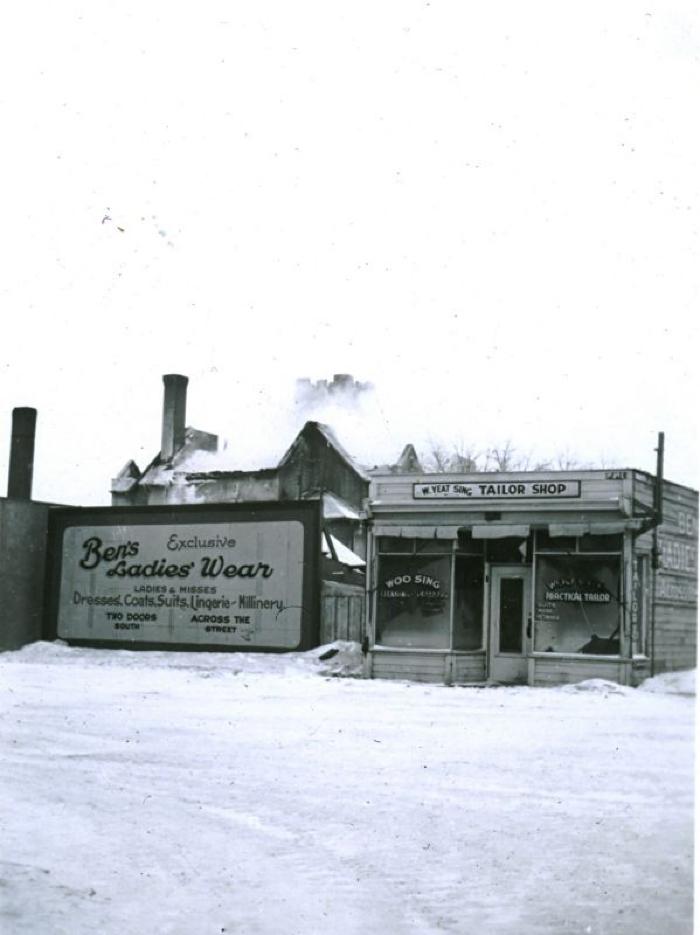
(197, 445)
(344, 555)
(335, 507)
(200, 455)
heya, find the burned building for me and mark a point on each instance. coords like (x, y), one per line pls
(314, 467)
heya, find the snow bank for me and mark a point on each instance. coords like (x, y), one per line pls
(671, 683)
(598, 687)
(341, 659)
(334, 659)
(668, 683)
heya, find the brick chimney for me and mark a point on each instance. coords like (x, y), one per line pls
(174, 407)
(19, 478)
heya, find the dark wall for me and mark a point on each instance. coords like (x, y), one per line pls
(227, 487)
(315, 466)
(23, 540)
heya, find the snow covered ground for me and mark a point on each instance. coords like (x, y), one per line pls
(201, 794)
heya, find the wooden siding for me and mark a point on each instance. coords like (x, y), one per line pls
(437, 667)
(342, 618)
(676, 638)
(314, 465)
(676, 603)
(559, 671)
(413, 666)
(471, 668)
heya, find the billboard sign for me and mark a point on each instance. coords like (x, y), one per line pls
(502, 490)
(224, 577)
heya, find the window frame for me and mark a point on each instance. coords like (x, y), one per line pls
(450, 548)
(619, 553)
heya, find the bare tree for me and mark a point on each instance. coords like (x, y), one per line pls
(437, 460)
(464, 459)
(528, 463)
(501, 459)
(566, 461)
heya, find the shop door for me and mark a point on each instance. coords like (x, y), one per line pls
(510, 612)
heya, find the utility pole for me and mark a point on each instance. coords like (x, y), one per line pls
(655, 558)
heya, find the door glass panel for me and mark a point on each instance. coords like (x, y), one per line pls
(469, 602)
(511, 616)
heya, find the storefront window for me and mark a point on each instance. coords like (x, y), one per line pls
(413, 601)
(577, 604)
(469, 602)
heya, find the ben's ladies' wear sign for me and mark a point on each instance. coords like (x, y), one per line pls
(237, 584)
(501, 490)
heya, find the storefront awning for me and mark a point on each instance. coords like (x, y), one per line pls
(583, 529)
(500, 532)
(608, 529)
(557, 530)
(418, 532)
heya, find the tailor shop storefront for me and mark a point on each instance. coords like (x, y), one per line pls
(540, 579)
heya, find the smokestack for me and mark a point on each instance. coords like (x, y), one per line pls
(342, 381)
(19, 479)
(174, 406)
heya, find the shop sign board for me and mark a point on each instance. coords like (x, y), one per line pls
(229, 577)
(498, 490)
(677, 580)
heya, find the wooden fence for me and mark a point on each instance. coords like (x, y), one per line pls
(342, 613)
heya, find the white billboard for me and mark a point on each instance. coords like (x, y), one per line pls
(235, 584)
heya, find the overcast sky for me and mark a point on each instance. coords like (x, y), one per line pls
(488, 210)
